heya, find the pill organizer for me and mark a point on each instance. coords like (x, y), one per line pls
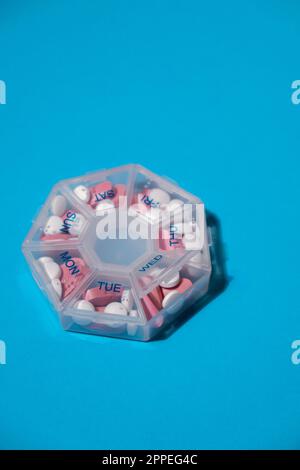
(120, 252)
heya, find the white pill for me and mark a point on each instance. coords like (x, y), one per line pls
(133, 313)
(56, 284)
(171, 281)
(45, 259)
(170, 298)
(52, 270)
(82, 192)
(159, 196)
(84, 305)
(127, 299)
(104, 206)
(175, 210)
(77, 225)
(193, 241)
(53, 225)
(58, 205)
(116, 308)
(132, 327)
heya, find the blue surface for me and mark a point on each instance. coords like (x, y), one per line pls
(199, 92)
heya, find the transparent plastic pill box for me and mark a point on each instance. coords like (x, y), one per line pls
(120, 252)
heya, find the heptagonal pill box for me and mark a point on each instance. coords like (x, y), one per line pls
(120, 252)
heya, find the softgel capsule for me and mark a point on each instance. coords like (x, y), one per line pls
(115, 255)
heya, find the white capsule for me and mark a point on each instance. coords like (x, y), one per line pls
(56, 284)
(53, 225)
(127, 299)
(171, 281)
(77, 225)
(52, 270)
(170, 298)
(58, 205)
(116, 308)
(82, 192)
(45, 259)
(159, 196)
(104, 206)
(84, 305)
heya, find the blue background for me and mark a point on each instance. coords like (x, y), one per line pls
(197, 91)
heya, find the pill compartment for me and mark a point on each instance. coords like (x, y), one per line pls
(106, 304)
(101, 190)
(152, 192)
(121, 270)
(59, 270)
(61, 219)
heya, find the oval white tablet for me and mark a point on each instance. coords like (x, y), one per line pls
(84, 305)
(127, 299)
(58, 205)
(171, 281)
(53, 225)
(82, 192)
(45, 259)
(77, 225)
(170, 298)
(159, 196)
(52, 270)
(56, 284)
(116, 308)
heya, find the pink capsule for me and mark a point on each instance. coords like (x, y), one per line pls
(71, 278)
(156, 297)
(56, 236)
(100, 192)
(100, 297)
(120, 190)
(149, 307)
(81, 265)
(100, 309)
